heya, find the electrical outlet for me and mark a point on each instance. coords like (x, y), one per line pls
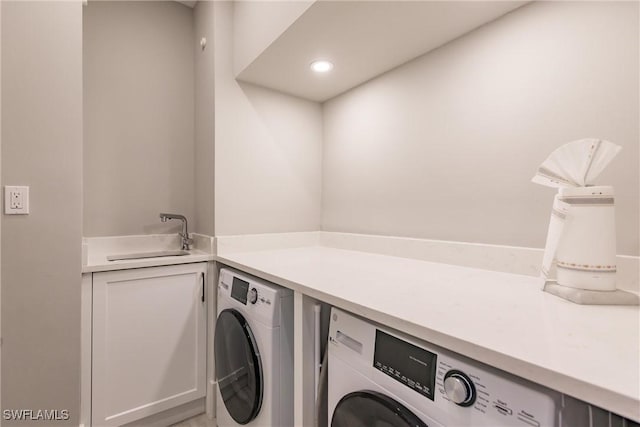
(16, 200)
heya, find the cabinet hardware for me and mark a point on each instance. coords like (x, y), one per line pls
(202, 278)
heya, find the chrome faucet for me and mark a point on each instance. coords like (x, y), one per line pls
(186, 241)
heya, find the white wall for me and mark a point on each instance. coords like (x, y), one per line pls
(41, 252)
(445, 146)
(139, 116)
(204, 119)
(268, 150)
(257, 24)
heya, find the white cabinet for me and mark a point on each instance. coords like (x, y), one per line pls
(148, 341)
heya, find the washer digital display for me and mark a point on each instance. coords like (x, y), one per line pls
(239, 290)
(406, 363)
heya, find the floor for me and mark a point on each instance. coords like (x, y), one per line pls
(198, 421)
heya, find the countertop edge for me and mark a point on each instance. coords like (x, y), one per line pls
(148, 262)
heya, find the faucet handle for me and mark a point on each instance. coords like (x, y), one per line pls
(186, 241)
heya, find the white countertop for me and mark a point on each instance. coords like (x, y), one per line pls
(501, 319)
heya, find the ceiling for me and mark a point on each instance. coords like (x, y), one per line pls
(363, 39)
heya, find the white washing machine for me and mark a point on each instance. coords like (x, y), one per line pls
(253, 352)
(381, 377)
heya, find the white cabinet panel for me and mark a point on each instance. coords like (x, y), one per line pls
(149, 341)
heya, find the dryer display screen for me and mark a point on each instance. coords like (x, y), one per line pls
(406, 363)
(239, 290)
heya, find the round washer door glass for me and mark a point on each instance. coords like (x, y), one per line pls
(372, 409)
(238, 367)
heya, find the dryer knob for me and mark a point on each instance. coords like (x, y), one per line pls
(459, 388)
(253, 295)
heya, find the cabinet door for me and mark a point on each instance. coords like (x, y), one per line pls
(149, 341)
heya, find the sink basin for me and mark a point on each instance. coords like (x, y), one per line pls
(143, 255)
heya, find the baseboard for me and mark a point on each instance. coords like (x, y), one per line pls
(171, 416)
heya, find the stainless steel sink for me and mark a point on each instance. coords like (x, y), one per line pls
(143, 255)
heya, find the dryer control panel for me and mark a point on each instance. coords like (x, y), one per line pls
(445, 386)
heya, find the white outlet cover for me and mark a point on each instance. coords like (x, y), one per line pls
(16, 193)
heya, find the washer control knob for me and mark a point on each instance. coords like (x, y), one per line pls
(459, 388)
(253, 295)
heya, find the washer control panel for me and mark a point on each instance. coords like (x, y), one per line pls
(459, 388)
(406, 363)
(474, 390)
(444, 386)
(251, 295)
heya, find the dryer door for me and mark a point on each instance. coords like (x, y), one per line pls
(238, 366)
(371, 409)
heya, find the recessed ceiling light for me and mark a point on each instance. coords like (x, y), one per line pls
(321, 66)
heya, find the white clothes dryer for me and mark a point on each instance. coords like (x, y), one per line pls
(381, 377)
(253, 348)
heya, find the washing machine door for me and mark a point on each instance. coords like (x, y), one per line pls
(371, 409)
(238, 366)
